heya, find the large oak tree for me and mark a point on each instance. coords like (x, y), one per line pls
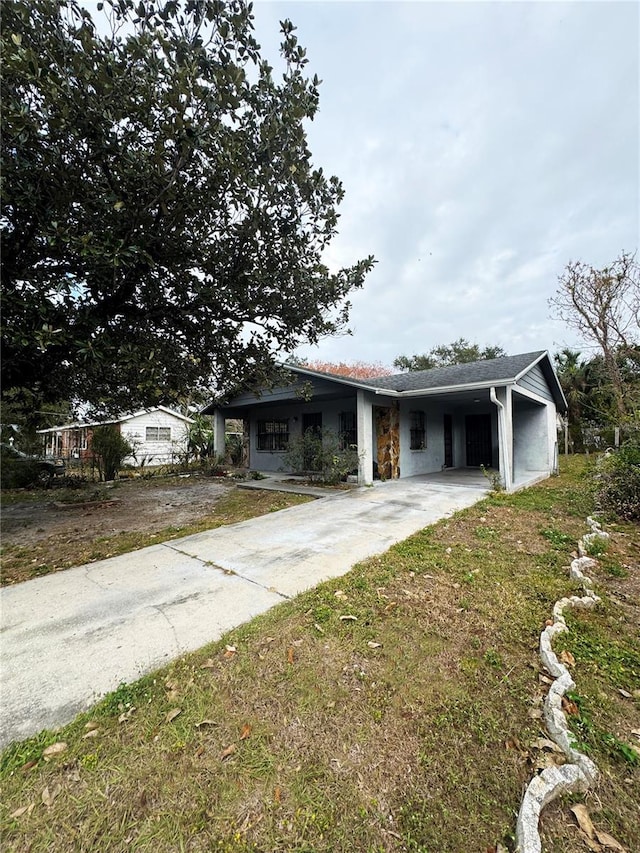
(163, 224)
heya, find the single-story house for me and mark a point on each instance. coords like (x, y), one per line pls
(498, 413)
(157, 436)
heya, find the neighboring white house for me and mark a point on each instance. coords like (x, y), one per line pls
(498, 413)
(157, 435)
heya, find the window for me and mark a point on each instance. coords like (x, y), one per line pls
(158, 434)
(418, 436)
(348, 430)
(273, 435)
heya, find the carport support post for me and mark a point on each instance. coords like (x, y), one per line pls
(218, 434)
(505, 433)
(365, 439)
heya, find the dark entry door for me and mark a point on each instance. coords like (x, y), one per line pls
(312, 421)
(448, 442)
(478, 433)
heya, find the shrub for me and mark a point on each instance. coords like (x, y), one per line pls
(618, 482)
(321, 456)
(17, 474)
(109, 450)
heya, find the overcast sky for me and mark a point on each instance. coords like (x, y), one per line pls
(482, 146)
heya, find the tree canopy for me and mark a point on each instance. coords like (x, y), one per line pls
(603, 306)
(458, 352)
(162, 222)
(353, 369)
(591, 397)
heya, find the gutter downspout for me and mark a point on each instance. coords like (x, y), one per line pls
(502, 439)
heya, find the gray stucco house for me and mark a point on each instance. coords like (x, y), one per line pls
(498, 413)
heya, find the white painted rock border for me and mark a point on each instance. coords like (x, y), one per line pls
(579, 772)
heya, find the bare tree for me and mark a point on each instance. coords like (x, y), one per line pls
(603, 306)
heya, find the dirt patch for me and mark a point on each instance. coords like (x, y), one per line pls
(129, 507)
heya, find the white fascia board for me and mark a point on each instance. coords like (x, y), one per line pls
(451, 389)
(529, 366)
(524, 392)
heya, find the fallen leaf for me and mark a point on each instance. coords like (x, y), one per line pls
(19, 812)
(231, 649)
(339, 594)
(54, 749)
(625, 693)
(570, 707)
(206, 723)
(208, 664)
(171, 685)
(581, 814)
(567, 657)
(246, 731)
(199, 751)
(318, 628)
(513, 743)
(634, 732)
(374, 645)
(390, 606)
(348, 618)
(535, 713)
(172, 714)
(126, 715)
(228, 751)
(290, 655)
(544, 678)
(91, 733)
(31, 764)
(608, 841)
(277, 794)
(48, 796)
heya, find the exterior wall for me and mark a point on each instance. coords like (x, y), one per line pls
(431, 457)
(534, 381)
(267, 460)
(154, 452)
(530, 439)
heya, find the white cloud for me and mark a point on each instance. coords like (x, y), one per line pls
(482, 147)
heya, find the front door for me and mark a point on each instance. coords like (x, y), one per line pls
(478, 434)
(312, 422)
(448, 442)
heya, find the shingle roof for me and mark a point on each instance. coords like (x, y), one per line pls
(503, 369)
(484, 373)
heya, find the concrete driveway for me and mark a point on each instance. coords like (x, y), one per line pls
(71, 637)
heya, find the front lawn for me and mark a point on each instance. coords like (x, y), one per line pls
(394, 709)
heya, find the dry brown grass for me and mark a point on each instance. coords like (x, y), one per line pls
(71, 547)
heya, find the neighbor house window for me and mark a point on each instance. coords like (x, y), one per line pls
(348, 430)
(418, 436)
(273, 435)
(158, 434)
